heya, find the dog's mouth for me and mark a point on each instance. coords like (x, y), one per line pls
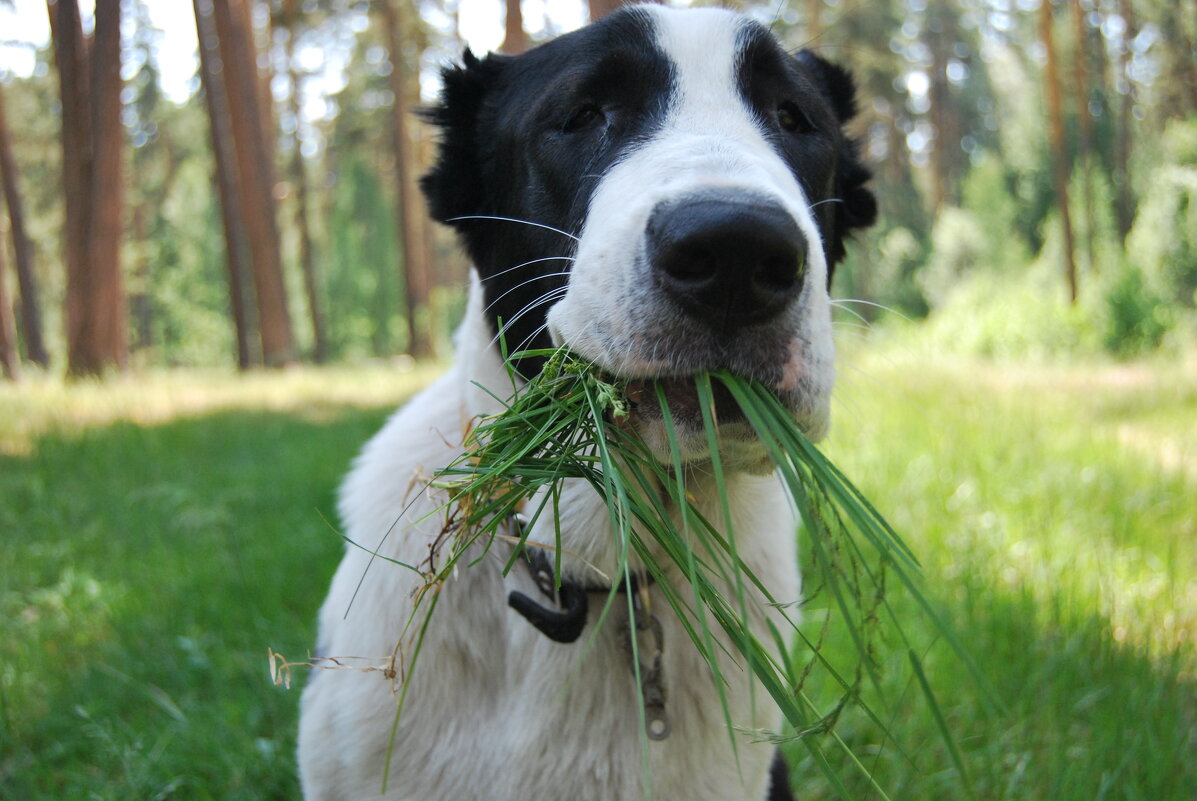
(682, 398)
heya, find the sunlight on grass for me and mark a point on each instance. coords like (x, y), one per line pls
(45, 404)
(1030, 481)
(156, 533)
(160, 532)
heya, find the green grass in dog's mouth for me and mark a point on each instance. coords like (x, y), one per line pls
(574, 423)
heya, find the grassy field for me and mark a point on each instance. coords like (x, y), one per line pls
(158, 535)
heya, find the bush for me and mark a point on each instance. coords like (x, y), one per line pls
(1135, 319)
(1163, 240)
(900, 256)
(958, 247)
(989, 193)
(1020, 315)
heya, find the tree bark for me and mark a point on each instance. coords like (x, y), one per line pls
(1124, 201)
(411, 212)
(30, 306)
(141, 306)
(9, 363)
(307, 259)
(1051, 77)
(814, 19)
(601, 8)
(945, 148)
(92, 140)
(1085, 119)
(70, 56)
(107, 298)
(231, 215)
(515, 39)
(255, 179)
(260, 39)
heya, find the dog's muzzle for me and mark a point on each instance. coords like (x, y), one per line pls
(726, 259)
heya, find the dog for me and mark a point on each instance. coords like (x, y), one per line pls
(665, 192)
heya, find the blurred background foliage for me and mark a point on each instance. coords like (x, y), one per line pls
(159, 533)
(970, 252)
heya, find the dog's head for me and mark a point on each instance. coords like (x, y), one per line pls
(665, 192)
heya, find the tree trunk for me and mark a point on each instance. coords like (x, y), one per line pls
(70, 56)
(255, 179)
(601, 8)
(231, 215)
(9, 362)
(30, 307)
(260, 39)
(814, 19)
(515, 39)
(107, 193)
(945, 147)
(410, 204)
(1051, 77)
(1124, 205)
(1085, 119)
(307, 260)
(141, 304)
(92, 141)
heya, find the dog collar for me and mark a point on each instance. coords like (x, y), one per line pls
(562, 625)
(565, 625)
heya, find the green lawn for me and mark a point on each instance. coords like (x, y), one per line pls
(157, 536)
(1055, 512)
(147, 567)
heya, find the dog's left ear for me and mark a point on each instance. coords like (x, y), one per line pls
(858, 208)
(455, 186)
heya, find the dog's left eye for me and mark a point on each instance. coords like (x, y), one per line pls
(584, 118)
(793, 119)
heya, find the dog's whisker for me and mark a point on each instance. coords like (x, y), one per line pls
(848, 405)
(852, 312)
(552, 295)
(841, 301)
(531, 280)
(514, 220)
(850, 336)
(528, 339)
(827, 200)
(527, 263)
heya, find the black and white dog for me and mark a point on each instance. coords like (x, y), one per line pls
(665, 192)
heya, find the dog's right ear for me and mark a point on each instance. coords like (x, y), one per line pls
(858, 206)
(455, 186)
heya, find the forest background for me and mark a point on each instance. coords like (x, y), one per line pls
(178, 220)
(1035, 166)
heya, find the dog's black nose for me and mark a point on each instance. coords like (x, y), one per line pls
(727, 259)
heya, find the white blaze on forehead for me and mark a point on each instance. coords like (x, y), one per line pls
(710, 139)
(710, 130)
(701, 43)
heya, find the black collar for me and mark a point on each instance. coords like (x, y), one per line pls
(562, 625)
(644, 637)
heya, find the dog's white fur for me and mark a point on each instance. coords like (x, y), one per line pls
(610, 313)
(494, 709)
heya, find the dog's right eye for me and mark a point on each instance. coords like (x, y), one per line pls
(584, 118)
(793, 119)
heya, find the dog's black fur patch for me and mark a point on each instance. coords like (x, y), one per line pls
(779, 779)
(529, 137)
(822, 157)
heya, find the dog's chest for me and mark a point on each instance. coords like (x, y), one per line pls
(538, 719)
